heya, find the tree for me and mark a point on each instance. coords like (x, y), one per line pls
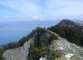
(1, 52)
(22, 41)
(72, 34)
(58, 29)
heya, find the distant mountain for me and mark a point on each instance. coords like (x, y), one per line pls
(69, 23)
(66, 23)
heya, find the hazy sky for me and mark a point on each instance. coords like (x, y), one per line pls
(17, 10)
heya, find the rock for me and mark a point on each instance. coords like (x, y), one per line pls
(67, 48)
(20, 53)
(43, 58)
(26, 46)
(14, 54)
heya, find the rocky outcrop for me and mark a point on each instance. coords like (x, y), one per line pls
(26, 46)
(14, 54)
(20, 53)
(68, 49)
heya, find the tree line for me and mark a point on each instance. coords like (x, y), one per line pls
(72, 34)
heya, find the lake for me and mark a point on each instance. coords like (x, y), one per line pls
(13, 31)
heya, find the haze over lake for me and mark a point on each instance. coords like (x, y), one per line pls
(13, 31)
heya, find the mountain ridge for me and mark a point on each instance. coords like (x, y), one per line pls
(55, 46)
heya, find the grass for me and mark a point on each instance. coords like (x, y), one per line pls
(67, 59)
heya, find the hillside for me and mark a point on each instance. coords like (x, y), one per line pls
(45, 44)
(69, 50)
(69, 30)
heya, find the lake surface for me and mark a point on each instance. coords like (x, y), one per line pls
(7, 36)
(13, 31)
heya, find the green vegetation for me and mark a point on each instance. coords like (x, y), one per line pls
(57, 29)
(1, 52)
(72, 34)
(40, 47)
(36, 54)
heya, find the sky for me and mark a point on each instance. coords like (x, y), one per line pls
(24, 10)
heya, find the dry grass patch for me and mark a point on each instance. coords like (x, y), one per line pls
(67, 59)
